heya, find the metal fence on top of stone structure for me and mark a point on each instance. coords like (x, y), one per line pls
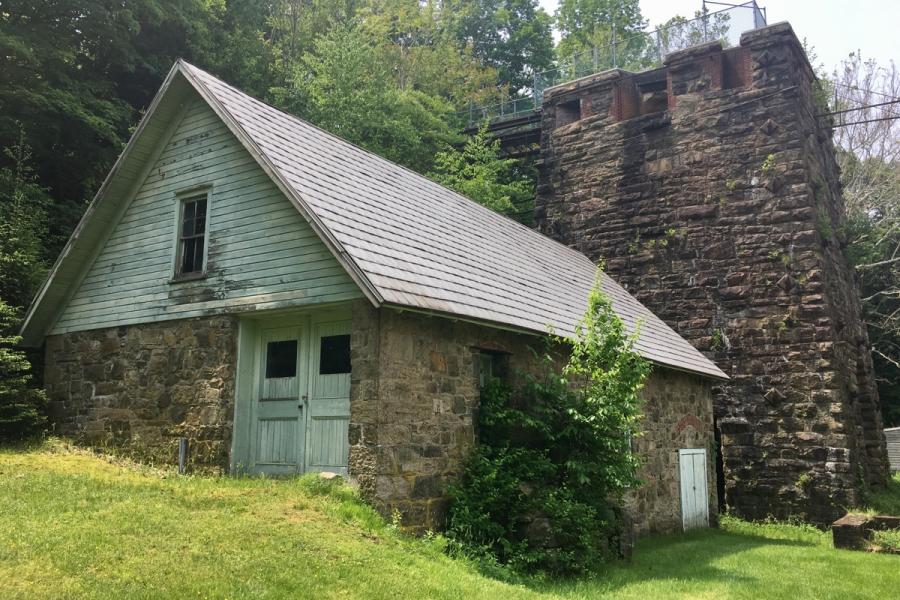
(634, 51)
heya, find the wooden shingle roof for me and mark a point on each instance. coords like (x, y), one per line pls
(410, 242)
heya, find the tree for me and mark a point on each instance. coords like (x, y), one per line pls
(346, 87)
(478, 172)
(867, 139)
(542, 489)
(417, 43)
(21, 404)
(512, 36)
(22, 227)
(585, 24)
(679, 32)
(74, 75)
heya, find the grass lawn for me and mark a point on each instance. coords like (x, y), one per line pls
(73, 525)
(887, 501)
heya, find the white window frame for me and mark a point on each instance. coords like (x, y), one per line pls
(181, 198)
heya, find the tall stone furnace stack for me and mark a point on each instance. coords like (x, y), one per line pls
(709, 188)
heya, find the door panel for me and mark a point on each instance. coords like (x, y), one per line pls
(694, 493)
(277, 439)
(329, 397)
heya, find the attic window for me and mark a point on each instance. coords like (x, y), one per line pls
(192, 236)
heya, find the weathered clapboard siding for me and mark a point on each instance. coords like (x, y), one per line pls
(262, 254)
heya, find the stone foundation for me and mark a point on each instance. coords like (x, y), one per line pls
(141, 387)
(414, 398)
(720, 209)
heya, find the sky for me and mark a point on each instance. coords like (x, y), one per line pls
(833, 27)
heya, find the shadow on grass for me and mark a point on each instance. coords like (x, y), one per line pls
(675, 559)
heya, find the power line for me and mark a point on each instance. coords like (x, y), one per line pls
(859, 89)
(866, 121)
(864, 107)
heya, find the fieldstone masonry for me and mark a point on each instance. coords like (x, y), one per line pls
(678, 414)
(414, 397)
(141, 387)
(413, 406)
(709, 188)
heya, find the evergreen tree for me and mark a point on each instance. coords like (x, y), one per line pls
(22, 227)
(21, 404)
(478, 172)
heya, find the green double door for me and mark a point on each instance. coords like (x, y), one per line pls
(300, 405)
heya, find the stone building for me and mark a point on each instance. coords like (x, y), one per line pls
(290, 303)
(709, 187)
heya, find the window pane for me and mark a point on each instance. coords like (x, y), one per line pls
(334, 355)
(485, 368)
(200, 218)
(188, 251)
(188, 215)
(198, 253)
(187, 227)
(281, 359)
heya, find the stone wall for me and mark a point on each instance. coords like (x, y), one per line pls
(414, 397)
(710, 189)
(678, 413)
(140, 387)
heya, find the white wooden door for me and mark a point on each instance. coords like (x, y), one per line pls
(327, 445)
(278, 428)
(694, 494)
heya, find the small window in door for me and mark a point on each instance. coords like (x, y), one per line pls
(281, 359)
(334, 355)
(192, 236)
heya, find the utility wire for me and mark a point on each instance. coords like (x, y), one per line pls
(866, 121)
(859, 89)
(856, 108)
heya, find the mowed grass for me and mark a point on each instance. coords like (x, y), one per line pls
(73, 525)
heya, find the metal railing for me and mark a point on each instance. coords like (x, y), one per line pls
(634, 51)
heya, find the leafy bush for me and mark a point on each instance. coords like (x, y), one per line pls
(21, 405)
(541, 491)
(887, 538)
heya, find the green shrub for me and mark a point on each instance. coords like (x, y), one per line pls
(541, 491)
(887, 538)
(21, 405)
